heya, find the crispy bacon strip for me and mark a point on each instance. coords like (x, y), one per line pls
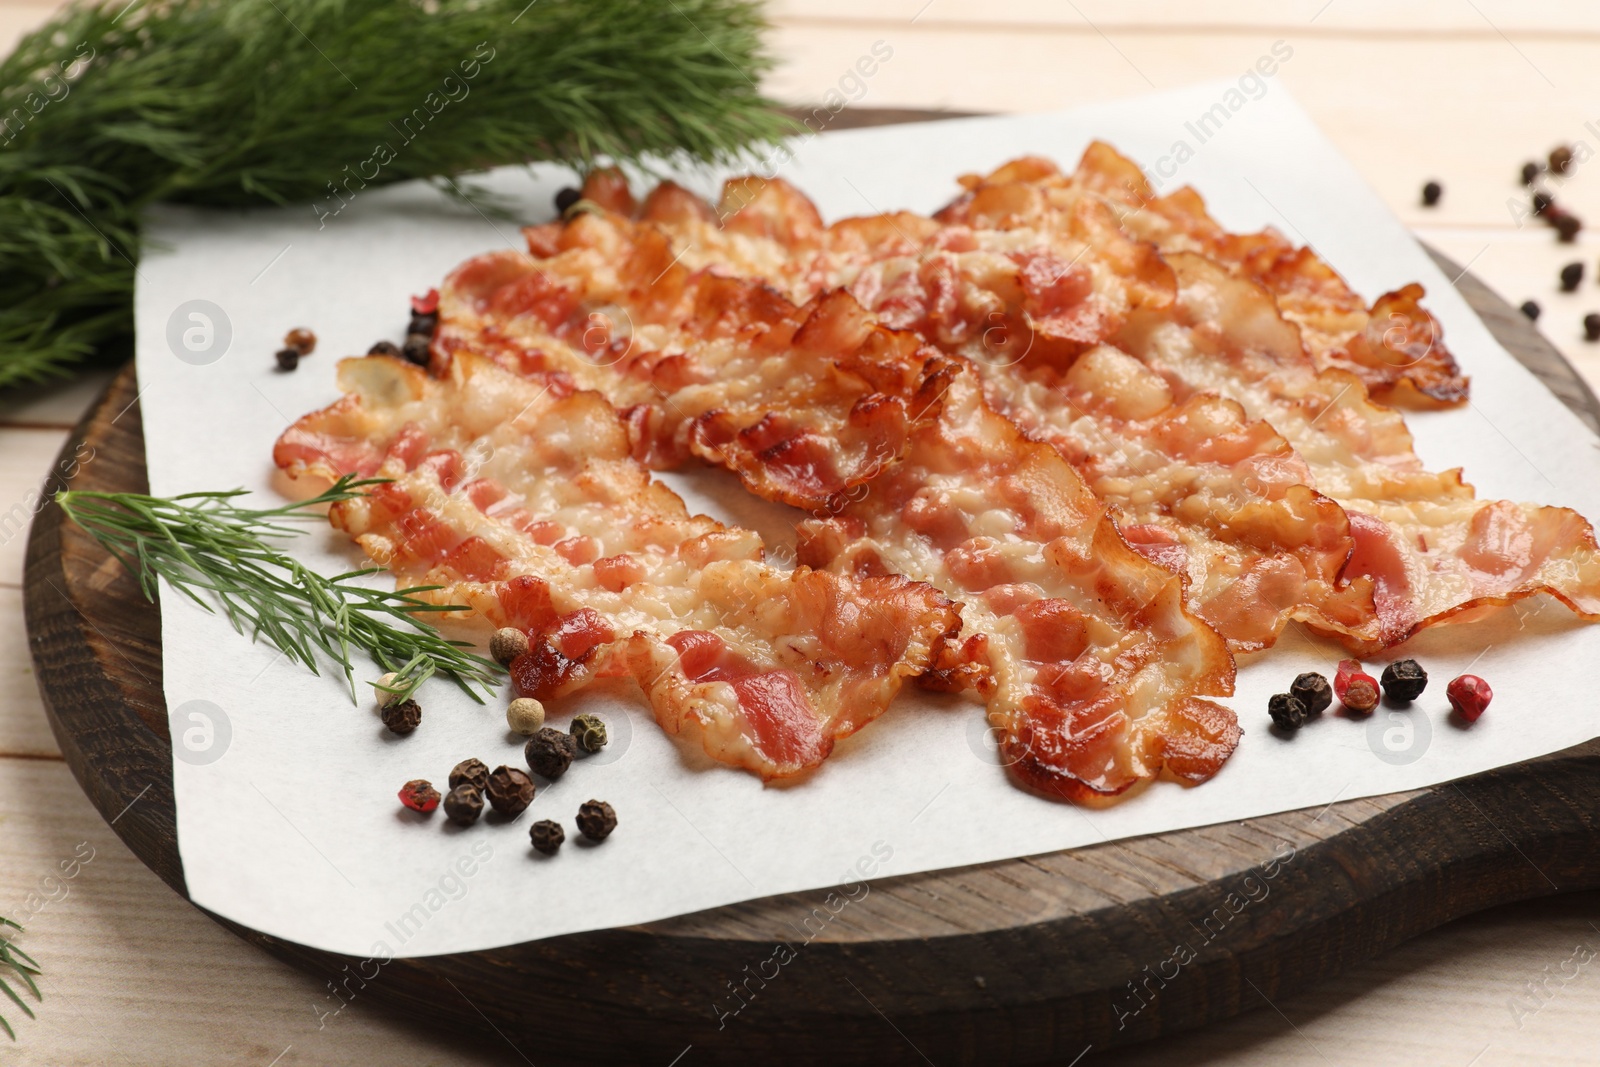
(1099, 671)
(1432, 550)
(1394, 346)
(517, 496)
(1334, 523)
(1198, 486)
(969, 505)
(809, 401)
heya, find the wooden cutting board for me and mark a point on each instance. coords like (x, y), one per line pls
(1023, 961)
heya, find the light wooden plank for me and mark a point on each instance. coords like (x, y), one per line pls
(26, 457)
(1365, 17)
(134, 975)
(1466, 112)
(24, 730)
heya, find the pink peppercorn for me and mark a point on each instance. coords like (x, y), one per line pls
(419, 795)
(1356, 689)
(1469, 696)
(427, 303)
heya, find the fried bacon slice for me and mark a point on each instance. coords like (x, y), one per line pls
(1394, 346)
(1326, 518)
(1198, 486)
(1099, 672)
(516, 495)
(1090, 664)
(808, 400)
(1432, 549)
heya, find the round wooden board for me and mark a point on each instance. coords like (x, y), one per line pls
(1023, 961)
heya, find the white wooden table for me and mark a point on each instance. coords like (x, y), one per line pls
(1462, 91)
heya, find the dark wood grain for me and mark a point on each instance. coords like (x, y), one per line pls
(1022, 961)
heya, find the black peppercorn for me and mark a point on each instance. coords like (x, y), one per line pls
(426, 324)
(550, 752)
(1530, 309)
(288, 358)
(385, 348)
(1404, 680)
(1542, 203)
(1567, 226)
(1431, 193)
(416, 348)
(510, 790)
(589, 733)
(471, 772)
(1591, 327)
(546, 836)
(1288, 712)
(596, 820)
(402, 716)
(1560, 159)
(1571, 276)
(463, 805)
(1530, 172)
(566, 198)
(1312, 690)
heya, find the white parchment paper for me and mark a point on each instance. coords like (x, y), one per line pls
(287, 818)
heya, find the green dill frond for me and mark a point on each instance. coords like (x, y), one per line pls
(220, 555)
(114, 106)
(18, 966)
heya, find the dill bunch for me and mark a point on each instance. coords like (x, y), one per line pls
(116, 105)
(21, 967)
(217, 553)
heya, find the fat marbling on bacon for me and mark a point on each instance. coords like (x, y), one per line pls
(1393, 345)
(1091, 667)
(1229, 417)
(516, 495)
(1199, 487)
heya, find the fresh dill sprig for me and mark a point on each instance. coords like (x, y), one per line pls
(116, 105)
(215, 552)
(23, 968)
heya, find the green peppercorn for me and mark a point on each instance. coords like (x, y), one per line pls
(1312, 690)
(546, 836)
(1404, 680)
(589, 733)
(471, 772)
(550, 752)
(463, 805)
(596, 820)
(1288, 712)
